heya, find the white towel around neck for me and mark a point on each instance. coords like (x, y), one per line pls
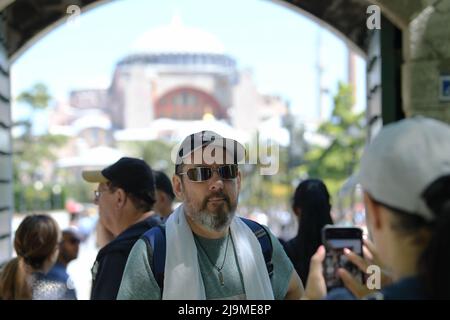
(182, 278)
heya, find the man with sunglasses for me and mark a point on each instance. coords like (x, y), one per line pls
(209, 253)
(68, 251)
(125, 196)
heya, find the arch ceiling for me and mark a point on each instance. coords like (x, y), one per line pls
(28, 20)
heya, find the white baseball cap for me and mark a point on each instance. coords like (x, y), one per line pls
(403, 160)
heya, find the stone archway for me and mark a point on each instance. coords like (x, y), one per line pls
(24, 22)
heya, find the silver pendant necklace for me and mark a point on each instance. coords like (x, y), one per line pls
(219, 269)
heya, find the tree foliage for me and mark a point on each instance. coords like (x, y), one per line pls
(345, 131)
(30, 152)
(37, 97)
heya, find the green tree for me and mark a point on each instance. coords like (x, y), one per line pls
(32, 151)
(345, 131)
(37, 97)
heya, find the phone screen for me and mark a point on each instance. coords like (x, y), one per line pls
(335, 240)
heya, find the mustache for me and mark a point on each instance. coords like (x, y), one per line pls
(219, 194)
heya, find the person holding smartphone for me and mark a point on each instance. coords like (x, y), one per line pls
(405, 175)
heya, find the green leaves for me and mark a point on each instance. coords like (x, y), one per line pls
(33, 152)
(345, 130)
(37, 97)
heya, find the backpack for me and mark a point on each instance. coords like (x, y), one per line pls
(156, 239)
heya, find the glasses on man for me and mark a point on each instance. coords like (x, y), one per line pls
(200, 174)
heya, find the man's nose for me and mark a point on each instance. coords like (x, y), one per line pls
(216, 182)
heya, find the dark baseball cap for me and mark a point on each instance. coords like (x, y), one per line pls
(131, 174)
(205, 138)
(163, 183)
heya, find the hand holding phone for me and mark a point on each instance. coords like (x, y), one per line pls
(370, 258)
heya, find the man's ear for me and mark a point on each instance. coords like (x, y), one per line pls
(121, 198)
(178, 187)
(373, 212)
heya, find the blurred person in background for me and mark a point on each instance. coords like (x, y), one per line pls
(165, 197)
(311, 205)
(68, 251)
(36, 243)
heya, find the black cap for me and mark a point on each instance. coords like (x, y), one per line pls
(163, 183)
(131, 174)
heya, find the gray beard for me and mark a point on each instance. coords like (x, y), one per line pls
(216, 221)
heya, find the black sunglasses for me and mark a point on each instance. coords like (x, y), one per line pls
(200, 174)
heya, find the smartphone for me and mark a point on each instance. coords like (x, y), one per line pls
(336, 239)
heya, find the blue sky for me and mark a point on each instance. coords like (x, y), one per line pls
(277, 43)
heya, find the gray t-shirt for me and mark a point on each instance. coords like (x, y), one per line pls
(138, 282)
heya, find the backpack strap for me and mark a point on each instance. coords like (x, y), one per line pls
(155, 238)
(264, 240)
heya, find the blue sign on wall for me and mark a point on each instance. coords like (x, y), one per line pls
(444, 88)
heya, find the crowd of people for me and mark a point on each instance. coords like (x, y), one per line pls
(203, 249)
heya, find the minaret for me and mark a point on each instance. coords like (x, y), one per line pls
(322, 89)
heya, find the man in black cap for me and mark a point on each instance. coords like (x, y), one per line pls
(164, 195)
(125, 196)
